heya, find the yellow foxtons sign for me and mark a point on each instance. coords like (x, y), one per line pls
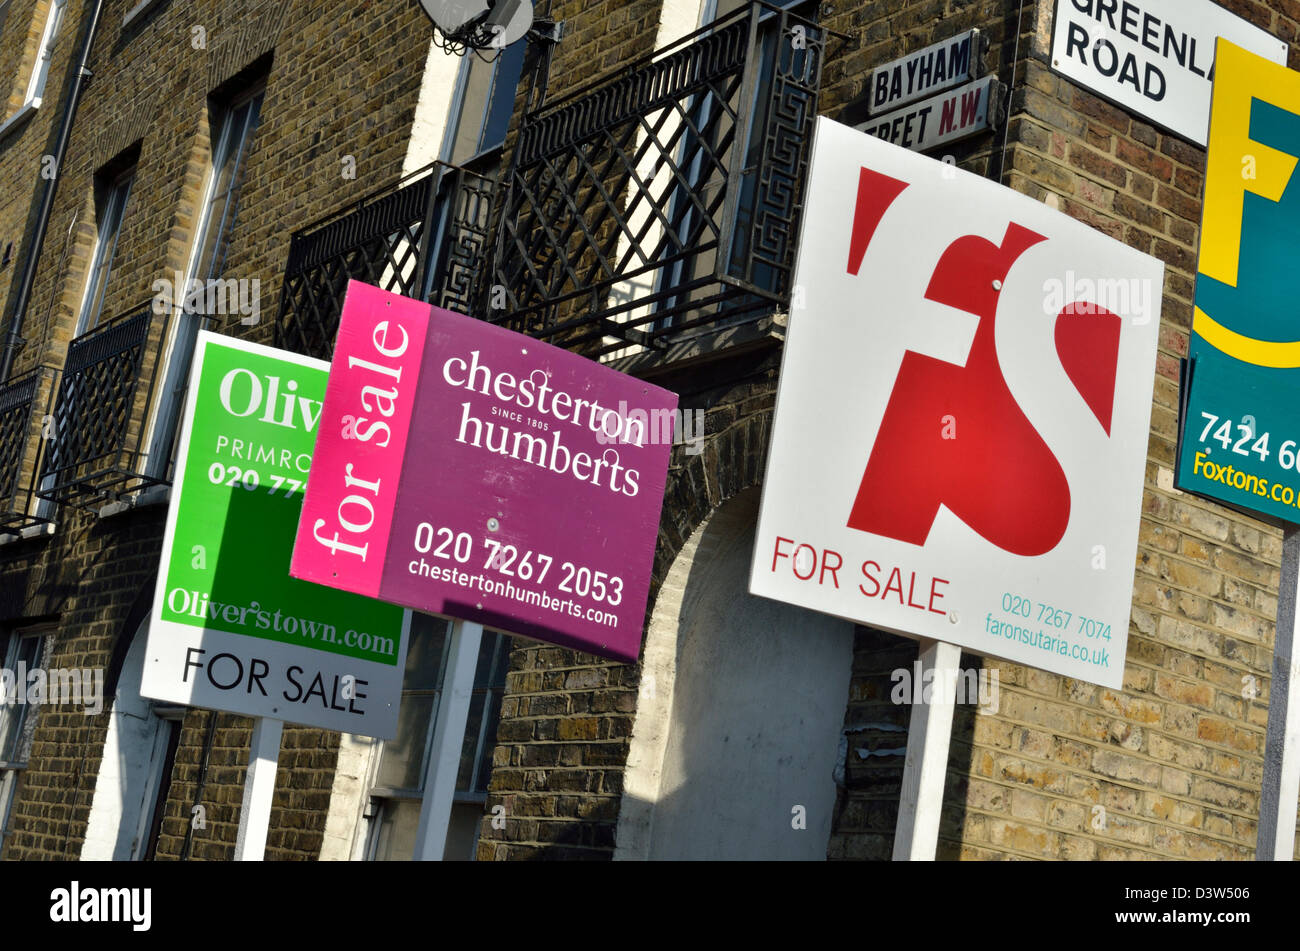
(1240, 426)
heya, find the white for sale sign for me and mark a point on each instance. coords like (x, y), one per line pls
(961, 428)
(1153, 57)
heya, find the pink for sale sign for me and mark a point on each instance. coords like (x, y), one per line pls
(466, 470)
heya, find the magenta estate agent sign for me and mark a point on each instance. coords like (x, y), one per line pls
(466, 470)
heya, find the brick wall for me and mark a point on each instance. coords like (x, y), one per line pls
(1173, 759)
(23, 145)
(567, 717)
(343, 80)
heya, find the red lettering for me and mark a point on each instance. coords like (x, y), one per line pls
(913, 470)
(833, 569)
(911, 587)
(811, 571)
(777, 550)
(895, 583)
(934, 595)
(870, 577)
(970, 103)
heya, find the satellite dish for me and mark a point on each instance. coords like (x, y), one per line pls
(481, 25)
(449, 15)
(510, 21)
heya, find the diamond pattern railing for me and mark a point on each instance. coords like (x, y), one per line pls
(427, 233)
(25, 425)
(667, 196)
(100, 416)
(660, 200)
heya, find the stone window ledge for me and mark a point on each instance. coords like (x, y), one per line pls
(145, 498)
(138, 11)
(704, 347)
(32, 531)
(18, 118)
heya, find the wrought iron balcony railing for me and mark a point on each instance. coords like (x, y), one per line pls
(666, 197)
(97, 447)
(25, 428)
(426, 238)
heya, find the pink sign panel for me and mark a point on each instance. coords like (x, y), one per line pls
(466, 470)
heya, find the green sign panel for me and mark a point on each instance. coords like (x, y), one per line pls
(231, 630)
(1240, 426)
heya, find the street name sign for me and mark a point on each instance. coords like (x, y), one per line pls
(1154, 58)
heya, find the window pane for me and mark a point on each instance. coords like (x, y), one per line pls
(110, 226)
(469, 126)
(231, 136)
(484, 768)
(8, 782)
(502, 662)
(402, 763)
(426, 654)
(40, 73)
(462, 832)
(228, 172)
(487, 650)
(725, 7)
(15, 719)
(480, 734)
(398, 823)
(469, 747)
(510, 66)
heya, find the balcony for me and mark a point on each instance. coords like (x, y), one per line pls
(425, 238)
(664, 201)
(96, 449)
(651, 207)
(24, 431)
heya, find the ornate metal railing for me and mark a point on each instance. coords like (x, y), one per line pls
(96, 449)
(25, 428)
(425, 238)
(666, 197)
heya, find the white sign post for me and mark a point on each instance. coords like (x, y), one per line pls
(1275, 839)
(1154, 58)
(448, 735)
(259, 790)
(929, 734)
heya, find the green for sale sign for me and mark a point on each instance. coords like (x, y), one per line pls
(230, 629)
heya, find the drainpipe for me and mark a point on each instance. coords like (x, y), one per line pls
(14, 338)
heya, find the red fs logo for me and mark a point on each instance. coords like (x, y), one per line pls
(1000, 477)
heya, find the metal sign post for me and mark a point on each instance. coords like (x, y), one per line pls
(259, 790)
(1275, 841)
(448, 737)
(920, 803)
